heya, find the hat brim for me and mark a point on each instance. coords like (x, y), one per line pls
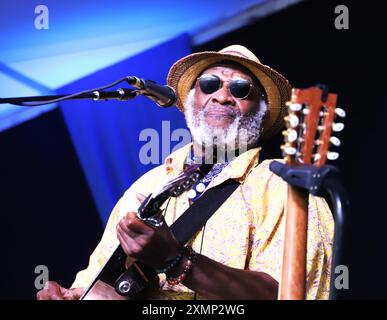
(185, 71)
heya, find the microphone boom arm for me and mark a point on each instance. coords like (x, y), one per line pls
(163, 95)
(120, 94)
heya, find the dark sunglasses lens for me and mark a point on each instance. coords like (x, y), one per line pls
(209, 84)
(240, 88)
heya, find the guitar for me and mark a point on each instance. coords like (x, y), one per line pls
(123, 278)
(310, 122)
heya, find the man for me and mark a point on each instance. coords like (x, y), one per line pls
(231, 102)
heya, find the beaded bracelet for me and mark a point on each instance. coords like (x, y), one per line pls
(192, 257)
(171, 263)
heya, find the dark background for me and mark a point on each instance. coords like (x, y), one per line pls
(41, 177)
(48, 214)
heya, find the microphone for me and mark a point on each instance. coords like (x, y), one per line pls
(163, 95)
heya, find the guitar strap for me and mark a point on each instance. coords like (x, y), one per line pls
(196, 216)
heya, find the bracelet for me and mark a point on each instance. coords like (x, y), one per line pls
(172, 263)
(192, 257)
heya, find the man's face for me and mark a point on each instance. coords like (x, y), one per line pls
(221, 107)
(220, 120)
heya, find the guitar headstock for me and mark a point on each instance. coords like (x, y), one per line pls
(186, 179)
(149, 210)
(310, 122)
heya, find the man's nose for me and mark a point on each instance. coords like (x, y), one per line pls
(223, 96)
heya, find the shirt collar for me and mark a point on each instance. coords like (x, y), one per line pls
(237, 169)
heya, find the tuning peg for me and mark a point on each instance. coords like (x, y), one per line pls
(316, 156)
(305, 111)
(292, 120)
(335, 141)
(337, 127)
(340, 112)
(290, 151)
(295, 107)
(291, 135)
(332, 155)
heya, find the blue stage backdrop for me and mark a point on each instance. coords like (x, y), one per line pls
(109, 136)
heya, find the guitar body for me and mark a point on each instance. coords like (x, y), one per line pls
(120, 271)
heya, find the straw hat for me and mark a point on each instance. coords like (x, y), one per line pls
(185, 71)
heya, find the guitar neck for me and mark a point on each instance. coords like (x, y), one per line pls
(292, 286)
(310, 122)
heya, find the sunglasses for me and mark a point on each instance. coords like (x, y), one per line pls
(239, 88)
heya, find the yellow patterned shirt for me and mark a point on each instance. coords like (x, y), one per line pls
(246, 232)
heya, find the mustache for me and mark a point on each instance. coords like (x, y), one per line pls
(221, 110)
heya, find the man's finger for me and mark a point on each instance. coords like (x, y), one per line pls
(50, 284)
(137, 226)
(73, 293)
(78, 292)
(123, 228)
(128, 245)
(131, 222)
(140, 197)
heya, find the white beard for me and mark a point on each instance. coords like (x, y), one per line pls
(243, 133)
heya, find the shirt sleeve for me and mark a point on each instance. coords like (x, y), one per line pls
(109, 241)
(267, 237)
(101, 253)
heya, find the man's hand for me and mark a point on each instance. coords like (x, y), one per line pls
(53, 291)
(152, 246)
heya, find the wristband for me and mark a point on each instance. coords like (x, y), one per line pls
(192, 257)
(171, 263)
